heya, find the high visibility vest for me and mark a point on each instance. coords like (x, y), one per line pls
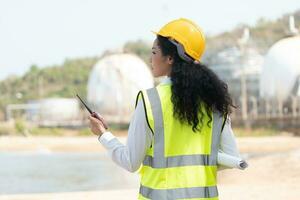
(180, 164)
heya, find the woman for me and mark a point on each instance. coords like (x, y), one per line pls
(178, 127)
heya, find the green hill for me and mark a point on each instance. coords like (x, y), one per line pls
(263, 34)
(58, 80)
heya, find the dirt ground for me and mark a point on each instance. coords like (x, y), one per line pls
(273, 172)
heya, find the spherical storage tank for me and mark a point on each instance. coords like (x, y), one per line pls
(54, 111)
(281, 69)
(114, 83)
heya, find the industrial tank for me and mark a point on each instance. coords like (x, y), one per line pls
(54, 111)
(114, 83)
(281, 70)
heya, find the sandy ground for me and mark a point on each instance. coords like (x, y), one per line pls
(273, 173)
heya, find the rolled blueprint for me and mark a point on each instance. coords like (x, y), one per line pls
(231, 161)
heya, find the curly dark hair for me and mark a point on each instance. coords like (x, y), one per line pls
(193, 85)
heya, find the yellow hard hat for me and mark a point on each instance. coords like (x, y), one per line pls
(186, 33)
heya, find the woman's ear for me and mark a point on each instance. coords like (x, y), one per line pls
(170, 60)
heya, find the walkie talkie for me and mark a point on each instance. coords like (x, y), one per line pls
(94, 114)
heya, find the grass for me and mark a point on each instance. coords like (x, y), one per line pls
(255, 132)
(5, 130)
(21, 128)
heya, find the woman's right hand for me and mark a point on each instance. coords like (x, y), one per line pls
(98, 116)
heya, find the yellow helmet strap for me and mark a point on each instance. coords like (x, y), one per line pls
(180, 51)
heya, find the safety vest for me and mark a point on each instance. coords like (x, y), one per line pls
(180, 164)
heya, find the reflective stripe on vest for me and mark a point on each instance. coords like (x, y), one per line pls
(159, 161)
(179, 193)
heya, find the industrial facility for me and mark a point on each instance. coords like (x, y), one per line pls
(114, 83)
(48, 112)
(262, 86)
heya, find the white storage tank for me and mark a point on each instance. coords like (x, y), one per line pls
(54, 111)
(114, 83)
(281, 69)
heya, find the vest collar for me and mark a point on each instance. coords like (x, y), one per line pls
(166, 80)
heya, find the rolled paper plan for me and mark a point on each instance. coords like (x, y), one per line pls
(231, 161)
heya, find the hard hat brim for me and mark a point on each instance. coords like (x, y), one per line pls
(161, 34)
(155, 32)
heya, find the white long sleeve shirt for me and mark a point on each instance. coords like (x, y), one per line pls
(131, 155)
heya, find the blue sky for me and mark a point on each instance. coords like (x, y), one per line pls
(46, 32)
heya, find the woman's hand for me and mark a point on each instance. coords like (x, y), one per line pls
(96, 125)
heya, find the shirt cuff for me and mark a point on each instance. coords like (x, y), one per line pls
(106, 137)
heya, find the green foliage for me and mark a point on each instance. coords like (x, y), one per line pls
(63, 80)
(85, 132)
(243, 132)
(140, 48)
(263, 34)
(20, 126)
(6, 130)
(54, 81)
(37, 131)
